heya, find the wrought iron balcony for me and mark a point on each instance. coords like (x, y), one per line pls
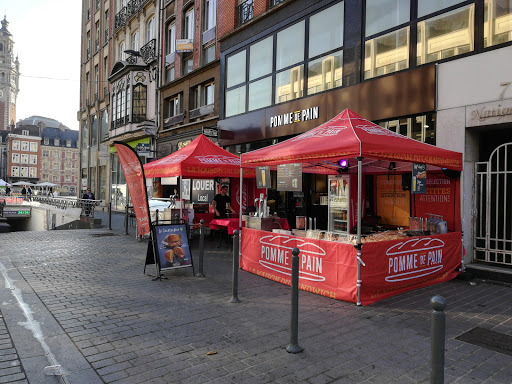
(97, 45)
(132, 8)
(245, 12)
(273, 3)
(97, 4)
(106, 36)
(121, 17)
(148, 51)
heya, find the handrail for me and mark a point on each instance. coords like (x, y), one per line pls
(86, 205)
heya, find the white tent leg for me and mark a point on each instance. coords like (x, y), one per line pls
(359, 245)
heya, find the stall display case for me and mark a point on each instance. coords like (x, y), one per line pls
(338, 204)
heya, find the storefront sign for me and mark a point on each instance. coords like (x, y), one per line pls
(184, 45)
(294, 117)
(489, 113)
(210, 132)
(203, 190)
(419, 178)
(289, 177)
(263, 177)
(329, 268)
(143, 149)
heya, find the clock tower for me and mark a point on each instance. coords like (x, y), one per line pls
(9, 78)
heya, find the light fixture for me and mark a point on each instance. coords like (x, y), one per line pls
(343, 163)
(132, 52)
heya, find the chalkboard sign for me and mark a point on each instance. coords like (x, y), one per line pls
(172, 246)
(289, 177)
(203, 190)
(419, 178)
(263, 177)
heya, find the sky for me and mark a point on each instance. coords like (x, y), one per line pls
(46, 37)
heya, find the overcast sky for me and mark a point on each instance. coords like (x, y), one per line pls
(47, 42)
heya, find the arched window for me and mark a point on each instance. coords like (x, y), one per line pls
(150, 29)
(139, 103)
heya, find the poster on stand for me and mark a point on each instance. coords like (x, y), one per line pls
(185, 189)
(173, 250)
(263, 177)
(419, 178)
(289, 177)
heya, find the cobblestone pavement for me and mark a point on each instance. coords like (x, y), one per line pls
(78, 303)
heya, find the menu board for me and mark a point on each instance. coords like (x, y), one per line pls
(289, 177)
(263, 177)
(419, 178)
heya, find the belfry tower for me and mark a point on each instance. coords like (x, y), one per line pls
(9, 78)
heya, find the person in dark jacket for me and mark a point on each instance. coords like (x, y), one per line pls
(88, 206)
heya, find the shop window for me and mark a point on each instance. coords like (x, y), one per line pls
(289, 84)
(385, 14)
(326, 30)
(260, 93)
(446, 35)
(260, 58)
(497, 22)
(325, 73)
(235, 101)
(234, 75)
(387, 53)
(421, 128)
(290, 46)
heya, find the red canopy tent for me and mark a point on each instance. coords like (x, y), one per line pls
(347, 136)
(200, 159)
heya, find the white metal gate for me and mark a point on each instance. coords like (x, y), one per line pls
(493, 207)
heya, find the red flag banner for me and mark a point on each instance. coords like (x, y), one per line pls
(136, 183)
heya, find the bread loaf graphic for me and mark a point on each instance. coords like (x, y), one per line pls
(413, 247)
(286, 243)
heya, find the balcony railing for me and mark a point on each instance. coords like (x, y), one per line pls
(148, 51)
(131, 8)
(106, 36)
(97, 4)
(96, 45)
(245, 12)
(273, 3)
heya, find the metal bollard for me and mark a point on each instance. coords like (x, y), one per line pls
(234, 298)
(438, 304)
(156, 217)
(126, 219)
(294, 347)
(201, 249)
(110, 215)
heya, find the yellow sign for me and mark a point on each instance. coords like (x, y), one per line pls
(393, 203)
(184, 45)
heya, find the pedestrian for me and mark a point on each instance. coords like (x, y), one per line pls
(29, 193)
(50, 192)
(7, 190)
(24, 191)
(222, 203)
(88, 205)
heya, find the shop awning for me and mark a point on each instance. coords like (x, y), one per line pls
(200, 159)
(348, 135)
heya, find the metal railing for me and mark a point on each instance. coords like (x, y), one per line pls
(86, 205)
(245, 12)
(148, 51)
(273, 3)
(130, 9)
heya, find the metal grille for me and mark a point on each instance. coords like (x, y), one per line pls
(493, 207)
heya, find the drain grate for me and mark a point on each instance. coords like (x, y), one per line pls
(103, 234)
(495, 341)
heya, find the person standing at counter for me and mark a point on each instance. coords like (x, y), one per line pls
(222, 203)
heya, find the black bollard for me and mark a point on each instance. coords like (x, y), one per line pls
(201, 249)
(234, 298)
(294, 347)
(156, 217)
(438, 304)
(126, 219)
(110, 215)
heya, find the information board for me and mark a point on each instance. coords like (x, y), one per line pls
(419, 178)
(172, 246)
(203, 190)
(289, 177)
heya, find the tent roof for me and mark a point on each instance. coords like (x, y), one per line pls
(348, 135)
(200, 159)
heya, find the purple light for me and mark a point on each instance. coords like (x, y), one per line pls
(343, 163)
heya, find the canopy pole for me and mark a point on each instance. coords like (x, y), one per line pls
(181, 200)
(359, 244)
(240, 214)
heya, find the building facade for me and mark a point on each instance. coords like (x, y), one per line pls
(434, 71)
(24, 154)
(9, 78)
(60, 159)
(96, 62)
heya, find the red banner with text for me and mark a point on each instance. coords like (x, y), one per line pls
(325, 268)
(398, 266)
(134, 175)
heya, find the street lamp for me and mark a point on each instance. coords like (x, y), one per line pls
(132, 52)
